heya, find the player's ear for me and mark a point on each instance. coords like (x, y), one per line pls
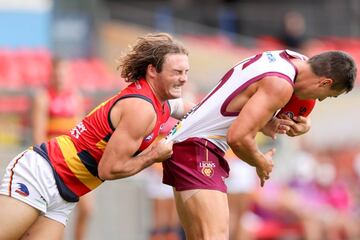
(324, 82)
(151, 70)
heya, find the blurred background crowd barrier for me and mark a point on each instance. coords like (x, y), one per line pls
(320, 171)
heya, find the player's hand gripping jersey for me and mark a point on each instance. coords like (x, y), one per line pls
(206, 121)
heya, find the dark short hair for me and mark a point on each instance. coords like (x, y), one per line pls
(150, 49)
(337, 65)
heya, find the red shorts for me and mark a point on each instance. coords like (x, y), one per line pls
(196, 164)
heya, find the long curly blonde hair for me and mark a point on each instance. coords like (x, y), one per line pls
(150, 49)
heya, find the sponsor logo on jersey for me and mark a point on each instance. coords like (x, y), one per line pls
(77, 130)
(270, 57)
(22, 190)
(207, 168)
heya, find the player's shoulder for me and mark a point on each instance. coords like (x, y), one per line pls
(132, 111)
(276, 85)
(136, 103)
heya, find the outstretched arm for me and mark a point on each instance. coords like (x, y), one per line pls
(132, 125)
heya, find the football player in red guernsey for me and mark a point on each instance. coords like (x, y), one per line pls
(42, 184)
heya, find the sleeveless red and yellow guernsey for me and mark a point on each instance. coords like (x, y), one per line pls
(75, 157)
(62, 111)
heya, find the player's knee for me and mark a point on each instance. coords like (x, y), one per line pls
(6, 233)
(221, 233)
(212, 236)
(86, 212)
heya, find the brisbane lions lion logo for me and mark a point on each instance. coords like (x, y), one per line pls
(207, 168)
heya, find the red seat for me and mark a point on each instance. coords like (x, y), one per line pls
(272, 230)
(14, 104)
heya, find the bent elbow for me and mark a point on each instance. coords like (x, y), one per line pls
(237, 143)
(104, 171)
(114, 172)
(233, 141)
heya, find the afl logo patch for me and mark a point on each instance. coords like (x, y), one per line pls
(149, 137)
(207, 168)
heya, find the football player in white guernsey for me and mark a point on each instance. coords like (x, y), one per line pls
(243, 103)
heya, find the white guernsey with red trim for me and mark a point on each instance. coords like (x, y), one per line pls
(206, 121)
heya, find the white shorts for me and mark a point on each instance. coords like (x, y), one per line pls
(30, 179)
(242, 177)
